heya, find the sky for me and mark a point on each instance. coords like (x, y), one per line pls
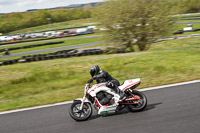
(7, 6)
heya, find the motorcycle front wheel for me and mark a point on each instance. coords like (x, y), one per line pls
(80, 115)
(138, 105)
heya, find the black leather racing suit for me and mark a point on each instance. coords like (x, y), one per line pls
(104, 76)
(112, 83)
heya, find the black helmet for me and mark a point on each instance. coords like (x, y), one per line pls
(94, 70)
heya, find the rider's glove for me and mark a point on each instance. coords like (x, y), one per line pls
(94, 77)
(90, 81)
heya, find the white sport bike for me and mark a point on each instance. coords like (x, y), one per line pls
(106, 101)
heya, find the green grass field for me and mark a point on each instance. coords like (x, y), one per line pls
(51, 81)
(66, 43)
(181, 26)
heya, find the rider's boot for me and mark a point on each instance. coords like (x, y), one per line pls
(116, 99)
(120, 96)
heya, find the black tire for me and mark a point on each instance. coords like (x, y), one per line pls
(80, 115)
(196, 30)
(178, 32)
(142, 102)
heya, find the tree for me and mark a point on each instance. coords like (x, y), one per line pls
(87, 7)
(135, 23)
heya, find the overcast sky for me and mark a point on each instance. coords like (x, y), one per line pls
(7, 6)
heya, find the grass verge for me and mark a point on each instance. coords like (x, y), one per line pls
(45, 82)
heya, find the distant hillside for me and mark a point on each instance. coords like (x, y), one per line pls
(20, 20)
(35, 17)
(70, 6)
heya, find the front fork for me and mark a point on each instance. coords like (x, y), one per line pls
(84, 97)
(82, 103)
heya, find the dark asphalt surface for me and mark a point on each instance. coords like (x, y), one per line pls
(187, 23)
(169, 110)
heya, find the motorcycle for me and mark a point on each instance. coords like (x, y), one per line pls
(104, 100)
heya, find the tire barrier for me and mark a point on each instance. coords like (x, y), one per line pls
(9, 62)
(56, 55)
(194, 30)
(178, 32)
(181, 31)
(91, 52)
(31, 46)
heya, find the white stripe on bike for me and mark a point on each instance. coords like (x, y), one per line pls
(68, 102)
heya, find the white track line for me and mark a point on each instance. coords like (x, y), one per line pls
(68, 102)
(37, 107)
(170, 85)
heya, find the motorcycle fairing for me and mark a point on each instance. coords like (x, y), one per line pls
(129, 83)
(94, 89)
(99, 87)
(102, 87)
(105, 109)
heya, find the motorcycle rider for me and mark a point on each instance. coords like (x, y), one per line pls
(103, 76)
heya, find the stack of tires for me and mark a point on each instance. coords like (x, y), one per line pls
(91, 52)
(9, 62)
(56, 55)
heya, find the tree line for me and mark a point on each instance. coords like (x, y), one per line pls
(15, 21)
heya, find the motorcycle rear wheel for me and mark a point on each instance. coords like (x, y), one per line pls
(141, 105)
(80, 115)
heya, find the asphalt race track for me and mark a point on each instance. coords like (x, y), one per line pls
(61, 39)
(52, 49)
(169, 110)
